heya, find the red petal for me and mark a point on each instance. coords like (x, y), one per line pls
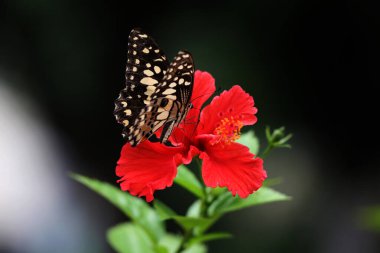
(234, 102)
(147, 167)
(189, 154)
(204, 87)
(231, 166)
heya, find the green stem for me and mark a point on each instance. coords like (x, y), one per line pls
(266, 152)
(186, 237)
(188, 234)
(199, 164)
(204, 203)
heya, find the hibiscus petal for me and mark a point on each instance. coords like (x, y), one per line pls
(232, 103)
(147, 167)
(231, 166)
(204, 87)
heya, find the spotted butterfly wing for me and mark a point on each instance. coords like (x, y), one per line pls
(146, 66)
(148, 100)
(171, 100)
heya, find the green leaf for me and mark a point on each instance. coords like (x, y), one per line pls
(262, 196)
(208, 237)
(170, 243)
(268, 134)
(188, 180)
(190, 222)
(227, 203)
(195, 209)
(135, 208)
(223, 201)
(284, 140)
(196, 248)
(250, 140)
(160, 249)
(215, 192)
(129, 238)
(163, 210)
(272, 181)
(278, 139)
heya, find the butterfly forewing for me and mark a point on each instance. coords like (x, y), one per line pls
(146, 67)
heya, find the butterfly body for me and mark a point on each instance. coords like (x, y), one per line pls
(157, 94)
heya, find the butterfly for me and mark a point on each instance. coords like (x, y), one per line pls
(157, 93)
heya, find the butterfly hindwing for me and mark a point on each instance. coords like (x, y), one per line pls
(171, 101)
(146, 67)
(177, 84)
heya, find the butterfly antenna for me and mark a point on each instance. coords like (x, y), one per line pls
(207, 93)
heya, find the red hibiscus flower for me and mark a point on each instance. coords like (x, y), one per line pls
(226, 163)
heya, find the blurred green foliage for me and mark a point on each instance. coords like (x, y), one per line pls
(369, 218)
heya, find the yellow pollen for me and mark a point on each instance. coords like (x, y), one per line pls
(228, 131)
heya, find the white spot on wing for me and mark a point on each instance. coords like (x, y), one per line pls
(157, 69)
(172, 97)
(149, 91)
(148, 72)
(168, 91)
(148, 81)
(128, 112)
(163, 115)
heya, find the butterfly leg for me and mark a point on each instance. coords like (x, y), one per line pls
(154, 138)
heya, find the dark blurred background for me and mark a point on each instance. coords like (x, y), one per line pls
(311, 66)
